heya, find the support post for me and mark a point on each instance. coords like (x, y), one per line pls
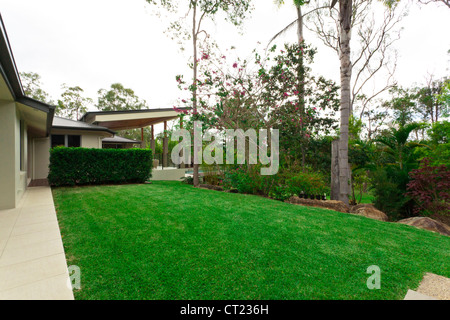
(153, 142)
(182, 165)
(142, 139)
(165, 145)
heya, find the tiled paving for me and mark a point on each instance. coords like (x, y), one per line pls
(32, 259)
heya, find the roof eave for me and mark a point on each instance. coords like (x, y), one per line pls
(83, 129)
(8, 70)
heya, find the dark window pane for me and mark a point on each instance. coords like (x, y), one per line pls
(57, 140)
(73, 141)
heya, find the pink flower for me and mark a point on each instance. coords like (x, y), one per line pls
(235, 65)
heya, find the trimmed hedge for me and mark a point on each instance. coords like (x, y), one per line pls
(81, 166)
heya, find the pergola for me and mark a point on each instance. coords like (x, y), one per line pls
(135, 119)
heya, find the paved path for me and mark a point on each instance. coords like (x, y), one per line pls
(32, 259)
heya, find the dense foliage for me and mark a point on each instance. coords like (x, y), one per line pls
(81, 166)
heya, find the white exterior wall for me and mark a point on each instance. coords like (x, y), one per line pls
(8, 147)
(13, 180)
(41, 158)
(91, 141)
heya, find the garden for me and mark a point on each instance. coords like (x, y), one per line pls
(140, 239)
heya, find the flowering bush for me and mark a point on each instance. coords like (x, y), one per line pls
(276, 91)
(430, 188)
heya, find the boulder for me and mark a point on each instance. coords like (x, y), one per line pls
(427, 224)
(369, 211)
(327, 204)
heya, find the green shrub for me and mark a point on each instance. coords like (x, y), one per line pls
(241, 179)
(188, 180)
(312, 183)
(388, 186)
(280, 192)
(80, 166)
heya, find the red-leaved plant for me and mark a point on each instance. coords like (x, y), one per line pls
(430, 188)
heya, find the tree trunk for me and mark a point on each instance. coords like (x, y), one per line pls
(335, 189)
(194, 89)
(345, 11)
(301, 80)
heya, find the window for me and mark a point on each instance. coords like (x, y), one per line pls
(60, 140)
(74, 141)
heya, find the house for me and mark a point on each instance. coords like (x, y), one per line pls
(24, 124)
(29, 128)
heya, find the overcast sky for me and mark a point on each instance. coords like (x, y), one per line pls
(94, 43)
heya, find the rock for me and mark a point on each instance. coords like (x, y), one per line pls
(361, 205)
(369, 211)
(427, 224)
(210, 187)
(327, 204)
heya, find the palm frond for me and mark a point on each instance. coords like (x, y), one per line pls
(286, 29)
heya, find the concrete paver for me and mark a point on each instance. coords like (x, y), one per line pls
(32, 259)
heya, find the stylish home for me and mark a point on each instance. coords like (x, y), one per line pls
(29, 128)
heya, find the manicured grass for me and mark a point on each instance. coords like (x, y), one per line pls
(167, 240)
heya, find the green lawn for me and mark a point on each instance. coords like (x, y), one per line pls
(167, 240)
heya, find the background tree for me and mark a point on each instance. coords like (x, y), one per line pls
(345, 29)
(72, 103)
(199, 10)
(446, 2)
(119, 98)
(31, 83)
(432, 103)
(376, 28)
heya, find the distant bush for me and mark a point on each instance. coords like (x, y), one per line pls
(388, 186)
(310, 183)
(430, 188)
(241, 179)
(187, 180)
(288, 182)
(81, 166)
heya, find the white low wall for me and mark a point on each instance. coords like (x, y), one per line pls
(168, 174)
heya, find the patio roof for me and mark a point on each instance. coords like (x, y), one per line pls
(130, 119)
(118, 139)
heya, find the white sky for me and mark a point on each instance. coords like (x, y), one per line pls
(94, 43)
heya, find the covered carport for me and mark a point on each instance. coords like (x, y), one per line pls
(137, 119)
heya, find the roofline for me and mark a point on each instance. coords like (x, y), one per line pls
(83, 129)
(113, 142)
(8, 69)
(130, 111)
